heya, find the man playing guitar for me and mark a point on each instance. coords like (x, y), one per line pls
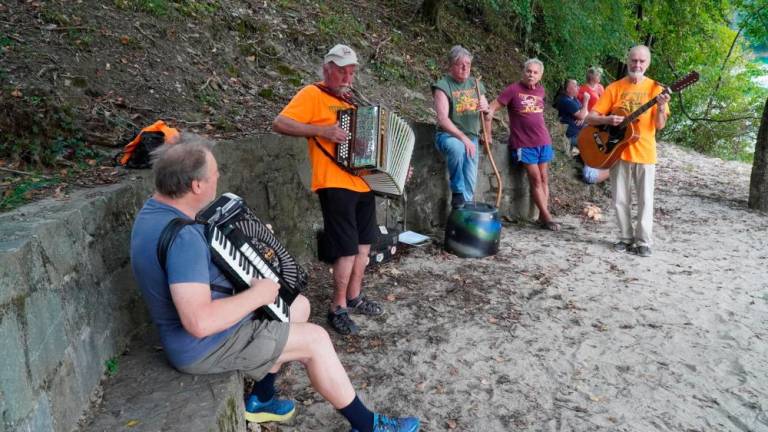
(637, 161)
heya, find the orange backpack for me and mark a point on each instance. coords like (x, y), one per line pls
(136, 154)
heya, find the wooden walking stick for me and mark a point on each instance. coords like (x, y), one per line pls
(487, 144)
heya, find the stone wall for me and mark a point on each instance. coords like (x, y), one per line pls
(68, 302)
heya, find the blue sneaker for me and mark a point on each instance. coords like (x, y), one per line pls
(273, 410)
(382, 423)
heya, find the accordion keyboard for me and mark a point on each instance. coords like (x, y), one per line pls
(343, 149)
(243, 262)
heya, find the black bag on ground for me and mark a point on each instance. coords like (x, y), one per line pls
(141, 156)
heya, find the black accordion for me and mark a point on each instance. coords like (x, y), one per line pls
(378, 148)
(244, 248)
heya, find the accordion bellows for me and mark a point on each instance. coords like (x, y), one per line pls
(379, 148)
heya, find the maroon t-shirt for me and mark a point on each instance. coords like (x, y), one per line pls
(526, 115)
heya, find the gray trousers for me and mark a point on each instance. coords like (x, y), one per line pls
(623, 176)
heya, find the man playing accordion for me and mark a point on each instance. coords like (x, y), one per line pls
(205, 331)
(347, 202)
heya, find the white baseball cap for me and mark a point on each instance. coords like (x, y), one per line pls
(341, 55)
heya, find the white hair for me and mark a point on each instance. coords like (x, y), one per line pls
(639, 48)
(533, 60)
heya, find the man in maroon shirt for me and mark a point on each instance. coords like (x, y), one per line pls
(529, 140)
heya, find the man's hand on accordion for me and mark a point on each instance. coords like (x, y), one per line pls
(264, 291)
(332, 133)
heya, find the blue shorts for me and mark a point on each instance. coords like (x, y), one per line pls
(532, 155)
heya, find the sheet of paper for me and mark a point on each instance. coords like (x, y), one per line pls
(413, 238)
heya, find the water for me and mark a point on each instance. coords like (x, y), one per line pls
(762, 59)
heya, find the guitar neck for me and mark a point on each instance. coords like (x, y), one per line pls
(638, 112)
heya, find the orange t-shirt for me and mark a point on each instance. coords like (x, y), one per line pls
(313, 106)
(623, 93)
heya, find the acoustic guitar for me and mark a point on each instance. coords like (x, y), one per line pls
(601, 146)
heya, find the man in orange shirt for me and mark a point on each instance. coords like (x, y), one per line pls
(348, 205)
(638, 161)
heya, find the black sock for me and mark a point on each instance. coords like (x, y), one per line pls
(360, 417)
(265, 389)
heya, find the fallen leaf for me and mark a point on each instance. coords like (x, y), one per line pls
(452, 424)
(125, 40)
(420, 386)
(391, 297)
(492, 320)
(16, 93)
(132, 423)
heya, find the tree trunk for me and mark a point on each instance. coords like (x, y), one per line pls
(758, 184)
(430, 11)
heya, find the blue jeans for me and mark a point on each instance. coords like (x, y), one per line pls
(462, 169)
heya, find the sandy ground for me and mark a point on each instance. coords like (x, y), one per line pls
(559, 333)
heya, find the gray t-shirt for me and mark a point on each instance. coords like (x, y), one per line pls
(188, 260)
(463, 103)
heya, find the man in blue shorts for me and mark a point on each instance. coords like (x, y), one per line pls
(529, 140)
(205, 327)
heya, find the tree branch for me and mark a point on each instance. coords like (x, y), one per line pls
(720, 75)
(710, 119)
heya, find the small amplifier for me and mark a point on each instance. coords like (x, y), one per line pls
(382, 249)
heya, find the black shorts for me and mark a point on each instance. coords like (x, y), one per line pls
(349, 219)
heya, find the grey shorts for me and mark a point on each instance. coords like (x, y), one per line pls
(253, 349)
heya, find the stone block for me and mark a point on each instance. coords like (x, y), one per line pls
(46, 338)
(57, 240)
(67, 399)
(13, 271)
(153, 396)
(17, 395)
(40, 420)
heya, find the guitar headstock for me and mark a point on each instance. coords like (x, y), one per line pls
(684, 82)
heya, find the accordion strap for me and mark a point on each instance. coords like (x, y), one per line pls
(168, 236)
(330, 156)
(166, 240)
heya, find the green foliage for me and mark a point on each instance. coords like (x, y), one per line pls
(208, 97)
(162, 8)
(197, 8)
(339, 26)
(35, 130)
(111, 366)
(703, 35)
(21, 192)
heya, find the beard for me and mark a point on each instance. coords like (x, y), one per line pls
(341, 90)
(635, 75)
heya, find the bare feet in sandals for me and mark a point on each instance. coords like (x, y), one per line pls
(549, 225)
